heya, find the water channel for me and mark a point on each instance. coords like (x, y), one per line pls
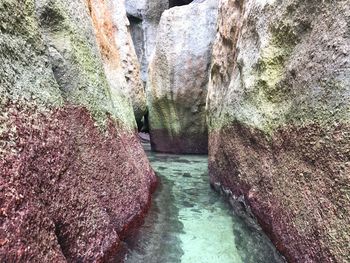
(191, 223)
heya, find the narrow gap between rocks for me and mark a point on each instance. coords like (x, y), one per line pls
(189, 221)
(173, 3)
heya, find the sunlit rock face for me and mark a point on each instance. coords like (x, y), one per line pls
(144, 17)
(178, 78)
(279, 120)
(115, 42)
(73, 176)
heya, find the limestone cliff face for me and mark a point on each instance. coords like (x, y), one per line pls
(73, 176)
(178, 78)
(279, 120)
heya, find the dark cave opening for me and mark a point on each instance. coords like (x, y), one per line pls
(134, 19)
(142, 125)
(173, 3)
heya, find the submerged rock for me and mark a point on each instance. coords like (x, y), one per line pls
(279, 120)
(73, 176)
(178, 78)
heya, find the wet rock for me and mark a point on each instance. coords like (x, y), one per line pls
(278, 107)
(186, 175)
(144, 137)
(73, 176)
(178, 78)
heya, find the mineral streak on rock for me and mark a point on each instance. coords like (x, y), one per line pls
(279, 120)
(178, 78)
(111, 25)
(73, 176)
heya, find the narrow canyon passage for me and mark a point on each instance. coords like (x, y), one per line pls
(189, 222)
(259, 88)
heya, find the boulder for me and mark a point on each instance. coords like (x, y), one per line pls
(279, 120)
(178, 78)
(74, 179)
(115, 11)
(114, 42)
(144, 17)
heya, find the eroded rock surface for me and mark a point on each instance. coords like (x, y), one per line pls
(73, 176)
(279, 120)
(68, 40)
(111, 25)
(178, 78)
(114, 38)
(144, 17)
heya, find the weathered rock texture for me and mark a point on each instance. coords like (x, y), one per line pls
(178, 78)
(111, 24)
(73, 176)
(144, 17)
(279, 118)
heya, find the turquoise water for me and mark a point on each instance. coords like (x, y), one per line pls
(190, 223)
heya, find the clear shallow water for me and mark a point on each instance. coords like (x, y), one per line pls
(190, 223)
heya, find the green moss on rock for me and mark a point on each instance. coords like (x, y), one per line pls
(77, 63)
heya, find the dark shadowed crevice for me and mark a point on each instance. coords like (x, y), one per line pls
(137, 35)
(173, 3)
(51, 18)
(61, 239)
(134, 19)
(145, 124)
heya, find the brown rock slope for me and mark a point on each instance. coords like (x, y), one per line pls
(279, 120)
(73, 176)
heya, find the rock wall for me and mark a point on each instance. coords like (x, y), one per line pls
(73, 176)
(114, 38)
(178, 78)
(279, 120)
(144, 17)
